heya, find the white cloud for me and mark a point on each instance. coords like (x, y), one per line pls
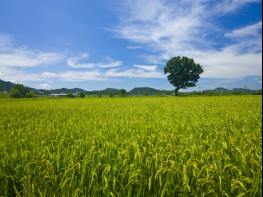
(18, 76)
(48, 75)
(250, 30)
(80, 76)
(177, 24)
(134, 47)
(15, 61)
(16, 56)
(134, 73)
(228, 64)
(44, 86)
(110, 64)
(77, 62)
(226, 6)
(170, 29)
(28, 58)
(94, 75)
(63, 76)
(146, 67)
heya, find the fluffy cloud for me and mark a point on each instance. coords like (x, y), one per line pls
(15, 61)
(28, 58)
(15, 56)
(62, 76)
(95, 75)
(187, 28)
(134, 73)
(146, 67)
(44, 86)
(253, 30)
(226, 6)
(19, 76)
(77, 62)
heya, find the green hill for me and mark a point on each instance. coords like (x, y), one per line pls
(5, 86)
(148, 91)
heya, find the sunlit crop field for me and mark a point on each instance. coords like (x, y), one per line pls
(144, 146)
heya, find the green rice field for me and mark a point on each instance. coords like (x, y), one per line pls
(131, 146)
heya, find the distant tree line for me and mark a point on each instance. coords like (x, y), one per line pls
(78, 95)
(20, 91)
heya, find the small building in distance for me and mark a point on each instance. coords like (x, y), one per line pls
(59, 95)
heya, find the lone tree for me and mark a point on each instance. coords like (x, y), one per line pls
(182, 72)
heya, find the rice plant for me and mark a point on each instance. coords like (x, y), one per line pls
(148, 146)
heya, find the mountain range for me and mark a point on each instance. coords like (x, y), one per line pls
(5, 86)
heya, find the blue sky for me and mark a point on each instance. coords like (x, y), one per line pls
(125, 43)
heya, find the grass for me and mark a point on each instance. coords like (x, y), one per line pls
(150, 146)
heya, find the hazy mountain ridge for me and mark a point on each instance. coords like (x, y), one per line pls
(5, 86)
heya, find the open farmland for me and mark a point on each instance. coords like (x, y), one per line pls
(143, 146)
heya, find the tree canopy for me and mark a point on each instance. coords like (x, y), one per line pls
(20, 91)
(123, 92)
(182, 72)
(81, 95)
(70, 94)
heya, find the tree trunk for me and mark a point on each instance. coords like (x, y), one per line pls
(176, 91)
